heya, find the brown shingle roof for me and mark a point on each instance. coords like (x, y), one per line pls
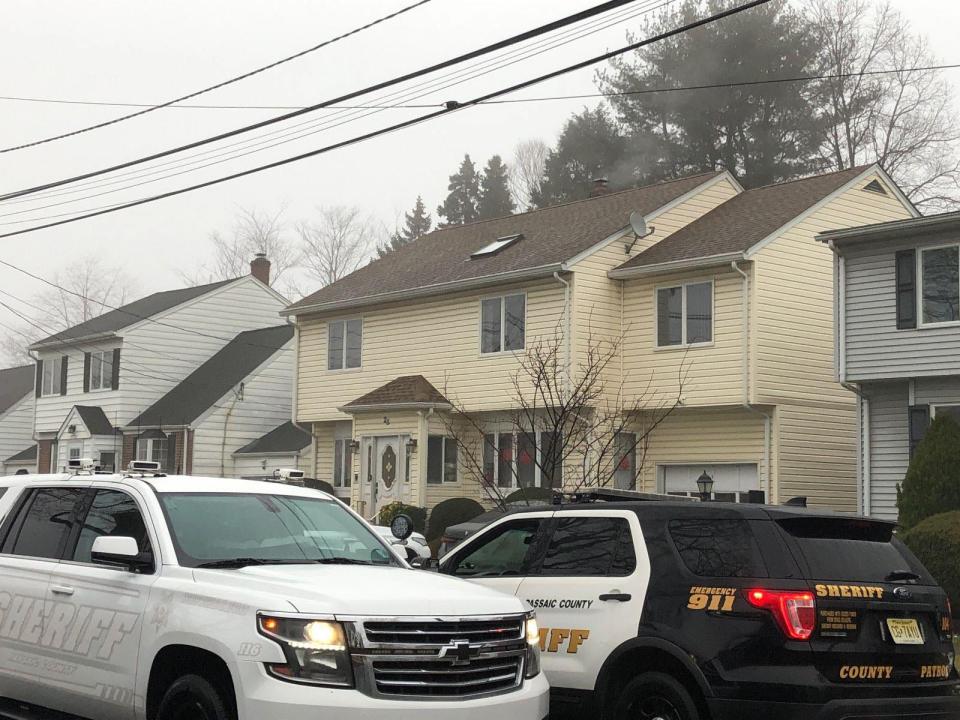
(406, 390)
(744, 220)
(550, 236)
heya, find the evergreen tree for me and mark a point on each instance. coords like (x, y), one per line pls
(589, 146)
(461, 204)
(932, 484)
(495, 198)
(416, 224)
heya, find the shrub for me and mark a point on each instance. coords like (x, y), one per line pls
(451, 512)
(530, 496)
(417, 514)
(932, 484)
(936, 542)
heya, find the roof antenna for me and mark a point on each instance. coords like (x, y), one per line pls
(638, 223)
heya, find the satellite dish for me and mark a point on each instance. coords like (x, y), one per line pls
(638, 223)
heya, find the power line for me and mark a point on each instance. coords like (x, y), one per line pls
(219, 85)
(106, 103)
(486, 50)
(452, 107)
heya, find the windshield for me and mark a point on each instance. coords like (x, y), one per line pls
(235, 530)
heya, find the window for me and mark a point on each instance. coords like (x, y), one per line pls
(685, 315)
(52, 383)
(112, 514)
(718, 548)
(108, 461)
(74, 453)
(940, 284)
(100, 374)
(46, 523)
(590, 547)
(342, 463)
(504, 551)
(503, 324)
(537, 462)
(625, 474)
(497, 245)
(344, 342)
(442, 458)
(154, 450)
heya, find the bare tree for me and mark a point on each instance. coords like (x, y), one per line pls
(526, 170)
(337, 242)
(902, 119)
(569, 426)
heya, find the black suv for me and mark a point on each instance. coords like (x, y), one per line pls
(686, 611)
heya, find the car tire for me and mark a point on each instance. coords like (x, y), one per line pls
(191, 697)
(655, 696)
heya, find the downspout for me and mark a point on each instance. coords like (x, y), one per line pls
(864, 475)
(422, 429)
(569, 326)
(745, 353)
(36, 361)
(295, 401)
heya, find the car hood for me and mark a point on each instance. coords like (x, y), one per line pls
(346, 590)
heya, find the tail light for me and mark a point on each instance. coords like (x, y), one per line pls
(795, 612)
(946, 622)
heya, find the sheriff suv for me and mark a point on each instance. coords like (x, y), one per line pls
(688, 610)
(188, 598)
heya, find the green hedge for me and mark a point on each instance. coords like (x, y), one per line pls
(451, 512)
(932, 484)
(936, 542)
(417, 514)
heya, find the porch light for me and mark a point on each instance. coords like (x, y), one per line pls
(705, 486)
(354, 446)
(412, 444)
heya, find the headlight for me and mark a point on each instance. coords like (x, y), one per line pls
(316, 650)
(532, 665)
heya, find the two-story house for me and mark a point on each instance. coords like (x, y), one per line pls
(897, 341)
(17, 449)
(100, 385)
(726, 290)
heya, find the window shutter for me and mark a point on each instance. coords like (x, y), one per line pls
(39, 388)
(906, 289)
(63, 375)
(171, 454)
(919, 421)
(115, 380)
(86, 372)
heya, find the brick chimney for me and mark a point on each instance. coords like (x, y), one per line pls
(260, 268)
(601, 186)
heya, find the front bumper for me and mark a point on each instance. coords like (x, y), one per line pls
(261, 697)
(893, 708)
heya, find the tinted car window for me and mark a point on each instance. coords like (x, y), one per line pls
(714, 547)
(590, 547)
(47, 522)
(3, 490)
(505, 551)
(112, 514)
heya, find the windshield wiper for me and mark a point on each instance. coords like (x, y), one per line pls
(341, 561)
(235, 563)
(901, 575)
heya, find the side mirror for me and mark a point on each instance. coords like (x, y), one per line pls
(120, 551)
(420, 563)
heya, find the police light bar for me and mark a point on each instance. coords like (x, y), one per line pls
(83, 464)
(289, 474)
(148, 466)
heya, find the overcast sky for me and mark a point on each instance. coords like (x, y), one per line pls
(151, 50)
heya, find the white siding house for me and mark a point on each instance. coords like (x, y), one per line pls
(17, 448)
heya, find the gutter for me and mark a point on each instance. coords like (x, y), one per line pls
(892, 229)
(543, 271)
(351, 410)
(70, 342)
(689, 263)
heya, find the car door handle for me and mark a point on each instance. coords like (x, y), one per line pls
(616, 597)
(61, 590)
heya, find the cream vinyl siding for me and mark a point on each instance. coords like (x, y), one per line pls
(16, 429)
(438, 338)
(713, 373)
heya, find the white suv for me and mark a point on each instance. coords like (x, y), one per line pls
(192, 598)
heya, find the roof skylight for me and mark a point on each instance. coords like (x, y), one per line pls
(497, 245)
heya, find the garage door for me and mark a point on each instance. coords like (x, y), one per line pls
(731, 483)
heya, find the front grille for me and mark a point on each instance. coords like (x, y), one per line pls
(435, 658)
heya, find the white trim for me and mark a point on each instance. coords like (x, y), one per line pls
(675, 265)
(684, 344)
(779, 232)
(343, 368)
(840, 315)
(579, 257)
(503, 324)
(394, 406)
(921, 325)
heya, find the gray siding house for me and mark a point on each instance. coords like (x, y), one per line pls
(897, 341)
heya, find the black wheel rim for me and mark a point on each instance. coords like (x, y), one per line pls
(656, 707)
(191, 709)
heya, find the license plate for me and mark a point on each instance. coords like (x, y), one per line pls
(905, 631)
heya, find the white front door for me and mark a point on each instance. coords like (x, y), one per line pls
(388, 471)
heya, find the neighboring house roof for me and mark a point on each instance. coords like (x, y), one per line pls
(286, 438)
(23, 456)
(15, 384)
(208, 383)
(911, 227)
(550, 237)
(406, 390)
(95, 419)
(744, 220)
(131, 313)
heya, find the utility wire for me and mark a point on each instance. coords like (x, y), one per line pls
(451, 107)
(521, 37)
(232, 80)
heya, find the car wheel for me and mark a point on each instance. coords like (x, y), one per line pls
(192, 698)
(655, 696)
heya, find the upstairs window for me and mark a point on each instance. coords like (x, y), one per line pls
(940, 285)
(52, 382)
(100, 372)
(685, 315)
(503, 324)
(344, 342)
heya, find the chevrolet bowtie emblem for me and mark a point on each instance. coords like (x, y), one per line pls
(459, 651)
